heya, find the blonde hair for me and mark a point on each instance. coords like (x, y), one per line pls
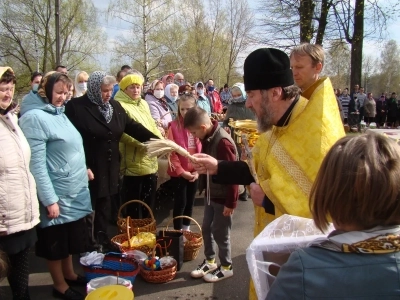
(358, 183)
(314, 51)
(82, 76)
(185, 98)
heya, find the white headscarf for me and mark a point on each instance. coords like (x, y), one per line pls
(167, 91)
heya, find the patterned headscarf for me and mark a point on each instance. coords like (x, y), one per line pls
(94, 93)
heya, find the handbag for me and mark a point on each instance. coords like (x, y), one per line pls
(172, 244)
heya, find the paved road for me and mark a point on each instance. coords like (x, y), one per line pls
(183, 286)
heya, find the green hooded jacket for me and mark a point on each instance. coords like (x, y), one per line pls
(134, 160)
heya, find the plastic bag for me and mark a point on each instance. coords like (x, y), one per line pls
(141, 239)
(93, 258)
(167, 262)
(107, 280)
(272, 247)
(136, 254)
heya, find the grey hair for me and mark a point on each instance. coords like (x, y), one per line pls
(179, 74)
(109, 79)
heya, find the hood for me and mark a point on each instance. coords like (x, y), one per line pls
(240, 86)
(13, 105)
(167, 91)
(4, 69)
(35, 101)
(197, 83)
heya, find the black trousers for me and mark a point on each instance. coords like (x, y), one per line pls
(142, 188)
(98, 220)
(380, 119)
(184, 196)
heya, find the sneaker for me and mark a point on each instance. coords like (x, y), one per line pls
(218, 274)
(203, 269)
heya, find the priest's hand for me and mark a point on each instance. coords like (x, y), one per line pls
(205, 162)
(256, 194)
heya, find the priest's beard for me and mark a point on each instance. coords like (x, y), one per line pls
(266, 115)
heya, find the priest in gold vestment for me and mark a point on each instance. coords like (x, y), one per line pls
(297, 131)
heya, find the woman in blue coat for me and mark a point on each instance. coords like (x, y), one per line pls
(59, 168)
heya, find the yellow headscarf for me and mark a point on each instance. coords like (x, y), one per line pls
(130, 79)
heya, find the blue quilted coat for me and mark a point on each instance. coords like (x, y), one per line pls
(58, 160)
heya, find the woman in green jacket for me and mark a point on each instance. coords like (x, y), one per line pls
(139, 170)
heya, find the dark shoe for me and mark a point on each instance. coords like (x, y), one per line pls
(79, 281)
(69, 294)
(243, 196)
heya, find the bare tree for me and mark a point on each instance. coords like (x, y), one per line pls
(27, 33)
(337, 65)
(205, 48)
(240, 26)
(389, 66)
(146, 17)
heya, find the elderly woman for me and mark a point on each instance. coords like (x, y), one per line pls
(18, 201)
(237, 109)
(59, 168)
(171, 95)
(158, 105)
(139, 170)
(101, 121)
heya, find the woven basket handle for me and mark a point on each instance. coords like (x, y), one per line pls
(128, 218)
(135, 201)
(153, 252)
(181, 217)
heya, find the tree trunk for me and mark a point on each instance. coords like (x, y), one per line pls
(357, 44)
(323, 21)
(306, 12)
(145, 48)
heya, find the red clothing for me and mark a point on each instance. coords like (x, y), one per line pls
(186, 140)
(225, 151)
(215, 100)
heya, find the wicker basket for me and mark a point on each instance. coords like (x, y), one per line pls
(113, 264)
(136, 225)
(158, 276)
(119, 239)
(194, 240)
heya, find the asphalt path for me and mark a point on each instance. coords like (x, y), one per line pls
(183, 286)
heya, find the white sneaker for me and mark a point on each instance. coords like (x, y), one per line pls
(218, 274)
(203, 269)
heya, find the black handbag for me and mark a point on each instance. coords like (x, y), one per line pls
(172, 244)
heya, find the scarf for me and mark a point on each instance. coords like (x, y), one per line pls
(94, 94)
(378, 240)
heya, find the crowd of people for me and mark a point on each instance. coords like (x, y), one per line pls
(357, 106)
(63, 158)
(72, 140)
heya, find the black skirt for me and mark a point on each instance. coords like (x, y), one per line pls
(16, 242)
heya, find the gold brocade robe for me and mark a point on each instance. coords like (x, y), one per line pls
(287, 159)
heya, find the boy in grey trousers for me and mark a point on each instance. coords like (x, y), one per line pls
(220, 200)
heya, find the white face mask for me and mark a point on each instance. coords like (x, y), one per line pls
(200, 92)
(158, 94)
(82, 86)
